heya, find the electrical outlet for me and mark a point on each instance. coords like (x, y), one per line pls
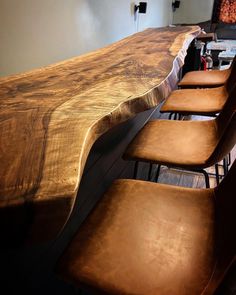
(141, 8)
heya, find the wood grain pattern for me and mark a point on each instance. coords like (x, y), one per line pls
(50, 118)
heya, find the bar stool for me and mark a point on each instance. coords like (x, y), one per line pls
(148, 238)
(204, 102)
(189, 145)
(205, 79)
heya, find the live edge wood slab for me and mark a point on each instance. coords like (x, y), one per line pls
(50, 118)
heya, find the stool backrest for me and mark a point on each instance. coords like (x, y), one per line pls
(231, 81)
(226, 129)
(225, 198)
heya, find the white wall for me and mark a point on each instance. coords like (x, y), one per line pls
(193, 11)
(36, 33)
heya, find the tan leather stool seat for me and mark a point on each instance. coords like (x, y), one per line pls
(205, 78)
(190, 145)
(178, 143)
(207, 101)
(145, 238)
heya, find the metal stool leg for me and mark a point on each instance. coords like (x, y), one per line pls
(217, 174)
(158, 172)
(229, 159)
(206, 178)
(135, 170)
(150, 172)
(180, 117)
(225, 165)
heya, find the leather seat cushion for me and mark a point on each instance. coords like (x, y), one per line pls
(145, 238)
(205, 78)
(177, 143)
(196, 101)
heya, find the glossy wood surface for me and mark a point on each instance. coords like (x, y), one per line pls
(50, 118)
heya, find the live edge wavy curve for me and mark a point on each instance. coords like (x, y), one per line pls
(51, 117)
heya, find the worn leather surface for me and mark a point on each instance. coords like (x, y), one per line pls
(187, 144)
(145, 238)
(175, 143)
(205, 78)
(148, 238)
(207, 101)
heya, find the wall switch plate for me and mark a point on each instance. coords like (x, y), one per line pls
(142, 7)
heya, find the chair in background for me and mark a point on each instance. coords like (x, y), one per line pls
(189, 145)
(226, 57)
(149, 238)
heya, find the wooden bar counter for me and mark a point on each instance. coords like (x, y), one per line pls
(51, 117)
